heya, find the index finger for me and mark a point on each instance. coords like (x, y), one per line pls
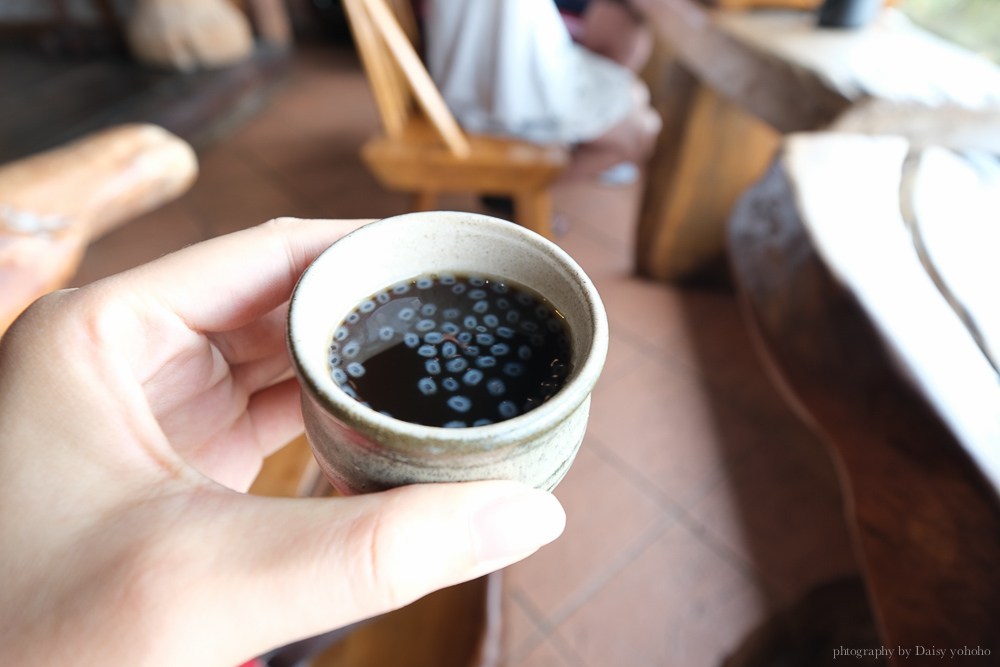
(231, 280)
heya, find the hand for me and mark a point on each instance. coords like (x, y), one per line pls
(135, 411)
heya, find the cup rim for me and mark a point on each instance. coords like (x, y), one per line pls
(412, 438)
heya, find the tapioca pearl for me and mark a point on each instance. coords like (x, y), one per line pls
(502, 304)
(385, 412)
(507, 409)
(505, 332)
(481, 307)
(491, 320)
(411, 339)
(449, 349)
(334, 359)
(386, 333)
(446, 279)
(512, 317)
(427, 351)
(470, 322)
(433, 366)
(367, 306)
(383, 297)
(339, 376)
(427, 386)
(464, 337)
(513, 369)
(482, 422)
(458, 288)
(428, 309)
(352, 349)
(406, 314)
(456, 365)
(353, 318)
(472, 377)
(471, 350)
(459, 403)
(486, 362)
(477, 294)
(524, 352)
(451, 313)
(477, 281)
(537, 340)
(541, 312)
(450, 383)
(341, 334)
(525, 299)
(529, 326)
(355, 370)
(499, 287)
(401, 288)
(485, 339)
(424, 283)
(434, 337)
(450, 328)
(425, 325)
(349, 390)
(499, 349)
(495, 387)
(454, 423)
(553, 326)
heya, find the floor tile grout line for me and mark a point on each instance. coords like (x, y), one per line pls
(566, 650)
(726, 553)
(537, 617)
(547, 624)
(678, 511)
(628, 555)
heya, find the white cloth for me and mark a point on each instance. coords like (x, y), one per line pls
(509, 67)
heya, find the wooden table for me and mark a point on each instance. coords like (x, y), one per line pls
(739, 80)
(867, 267)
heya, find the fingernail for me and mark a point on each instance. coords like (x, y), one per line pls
(512, 526)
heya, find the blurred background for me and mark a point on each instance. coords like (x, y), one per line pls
(708, 522)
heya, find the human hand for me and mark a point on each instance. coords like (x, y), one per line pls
(136, 410)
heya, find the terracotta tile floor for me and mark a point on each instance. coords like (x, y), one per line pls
(698, 503)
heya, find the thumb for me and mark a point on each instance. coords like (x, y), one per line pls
(295, 568)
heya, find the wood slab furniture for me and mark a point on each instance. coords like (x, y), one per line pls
(739, 80)
(455, 627)
(867, 266)
(423, 150)
(53, 204)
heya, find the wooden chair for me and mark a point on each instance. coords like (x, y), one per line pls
(423, 150)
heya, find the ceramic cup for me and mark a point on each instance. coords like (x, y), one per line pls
(361, 450)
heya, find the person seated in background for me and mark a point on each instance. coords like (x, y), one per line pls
(512, 68)
(612, 28)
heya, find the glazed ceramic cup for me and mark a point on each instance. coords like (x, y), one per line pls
(361, 450)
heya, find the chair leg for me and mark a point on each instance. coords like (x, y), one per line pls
(424, 201)
(533, 209)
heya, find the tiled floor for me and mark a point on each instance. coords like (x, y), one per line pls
(698, 503)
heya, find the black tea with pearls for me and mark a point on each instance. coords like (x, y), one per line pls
(453, 351)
